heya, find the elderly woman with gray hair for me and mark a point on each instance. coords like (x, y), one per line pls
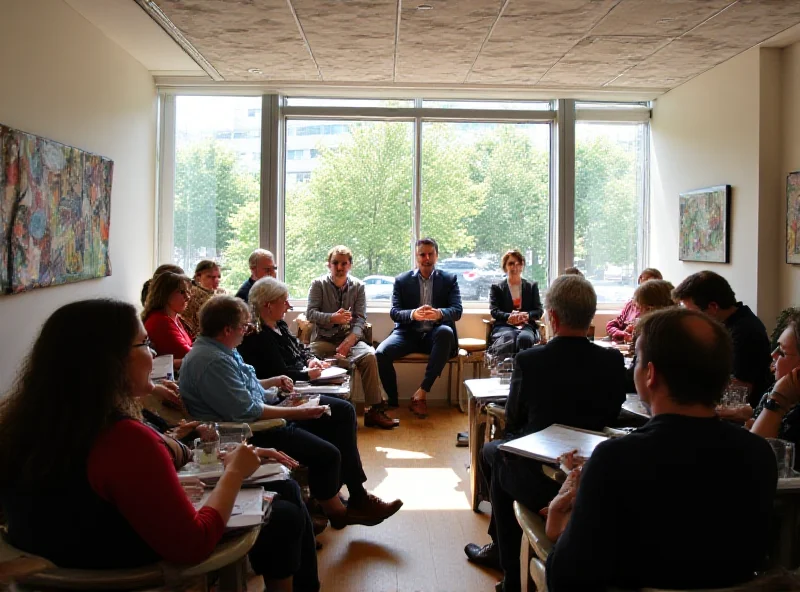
(272, 349)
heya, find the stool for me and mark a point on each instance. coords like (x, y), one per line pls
(418, 358)
(474, 349)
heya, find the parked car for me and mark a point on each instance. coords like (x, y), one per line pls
(378, 287)
(466, 269)
(612, 273)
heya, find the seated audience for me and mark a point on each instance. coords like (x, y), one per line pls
(100, 490)
(777, 414)
(649, 296)
(569, 381)
(262, 264)
(167, 299)
(710, 293)
(621, 328)
(337, 305)
(515, 307)
(204, 285)
(217, 385)
(159, 270)
(270, 348)
(653, 509)
(426, 303)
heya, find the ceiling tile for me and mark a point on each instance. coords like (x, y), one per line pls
(662, 18)
(236, 35)
(732, 31)
(352, 40)
(440, 45)
(532, 36)
(596, 60)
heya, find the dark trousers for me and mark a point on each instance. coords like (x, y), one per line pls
(437, 343)
(512, 477)
(327, 446)
(510, 340)
(286, 546)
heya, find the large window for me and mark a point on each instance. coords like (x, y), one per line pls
(217, 183)
(481, 177)
(609, 190)
(354, 189)
(485, 190)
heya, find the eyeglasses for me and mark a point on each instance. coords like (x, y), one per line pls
(145, 343)
(270, 269)
(778, 351)
(247, 328)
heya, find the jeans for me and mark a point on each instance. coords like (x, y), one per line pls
(437, 343)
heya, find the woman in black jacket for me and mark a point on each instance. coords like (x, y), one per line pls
(515, 307)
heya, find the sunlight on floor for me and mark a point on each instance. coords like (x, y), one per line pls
(424, 489)
(397, 454)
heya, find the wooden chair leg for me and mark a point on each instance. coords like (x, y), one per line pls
(449, 383)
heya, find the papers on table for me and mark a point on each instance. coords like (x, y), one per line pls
(162, 368)
(195, 471)
(549, 444)
(248, 510)
(322, 389)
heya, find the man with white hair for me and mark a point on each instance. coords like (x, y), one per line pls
(569, 381)
(262, 264)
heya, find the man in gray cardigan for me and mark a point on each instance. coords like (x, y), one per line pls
(337, 305)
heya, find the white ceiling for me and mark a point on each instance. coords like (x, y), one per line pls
(562, 47)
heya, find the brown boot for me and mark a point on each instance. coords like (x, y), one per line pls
(376, 418)
(370, 509)
(419, 407)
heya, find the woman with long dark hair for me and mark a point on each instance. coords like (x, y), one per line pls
(85, 484)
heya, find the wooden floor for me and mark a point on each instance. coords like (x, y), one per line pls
(421, 548)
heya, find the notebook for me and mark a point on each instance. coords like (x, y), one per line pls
(248, 509)
(549, 444)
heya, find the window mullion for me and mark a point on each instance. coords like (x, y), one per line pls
(416, 186)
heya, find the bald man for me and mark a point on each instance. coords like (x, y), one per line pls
(653, 509)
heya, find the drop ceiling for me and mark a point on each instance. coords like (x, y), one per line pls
(614, 46)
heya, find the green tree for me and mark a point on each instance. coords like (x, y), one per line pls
(606, 204)
(209, 189)
(244, 228)
(515, 178)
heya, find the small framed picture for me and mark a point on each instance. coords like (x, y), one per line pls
(793, 218)
(705, 224)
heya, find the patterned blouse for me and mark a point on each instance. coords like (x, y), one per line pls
(199, 297)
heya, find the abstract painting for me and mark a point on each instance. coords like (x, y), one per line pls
(55, 208)
(705, 224)
(793, 218)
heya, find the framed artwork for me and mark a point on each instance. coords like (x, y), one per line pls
(793, 218)
(705, 224)
(55, 209)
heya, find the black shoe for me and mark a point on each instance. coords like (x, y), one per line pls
(488, 555)
(462, 439)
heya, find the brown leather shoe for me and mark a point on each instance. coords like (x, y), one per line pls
(372, 508)
(419, 407)
(376, 418)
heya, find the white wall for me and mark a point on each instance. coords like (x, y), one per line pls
(64, 80)
(723, 128)
(790, 108)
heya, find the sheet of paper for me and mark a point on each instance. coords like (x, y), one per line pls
(193, 470)
(248, 509)
(550, 443)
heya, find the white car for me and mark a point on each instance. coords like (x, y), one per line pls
(378, 287)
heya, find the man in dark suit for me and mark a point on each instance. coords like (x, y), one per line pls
(569, 381)
(426, 303)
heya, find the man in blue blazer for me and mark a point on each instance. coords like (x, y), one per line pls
(426, 303)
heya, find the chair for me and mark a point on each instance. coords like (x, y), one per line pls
(418, 358)
(173, 416)
(228, 560)
(474, 348)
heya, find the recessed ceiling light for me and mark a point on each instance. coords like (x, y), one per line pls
(254, 71)
(424, 7)
(664, 21)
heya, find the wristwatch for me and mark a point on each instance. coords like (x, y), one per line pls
(773, 405)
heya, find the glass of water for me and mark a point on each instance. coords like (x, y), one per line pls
(784, 455)
(505, 368)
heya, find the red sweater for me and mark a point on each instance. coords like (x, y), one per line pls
(130, 467)
(616, 327)
(168, 335)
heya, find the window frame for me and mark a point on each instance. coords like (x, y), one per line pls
(275, 113)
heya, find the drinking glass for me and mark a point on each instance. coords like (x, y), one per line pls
(206, 452)
(504, 370)
(784, 455)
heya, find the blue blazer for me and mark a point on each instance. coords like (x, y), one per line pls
(405, 298)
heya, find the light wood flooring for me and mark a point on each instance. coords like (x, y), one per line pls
(421, 548)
